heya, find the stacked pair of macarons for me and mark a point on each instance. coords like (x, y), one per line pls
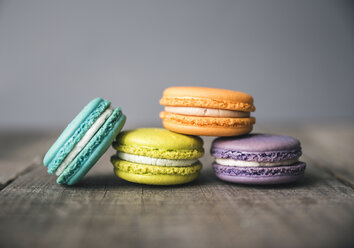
(242, 158)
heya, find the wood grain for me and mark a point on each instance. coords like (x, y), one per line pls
(105, 211)
(20, 149)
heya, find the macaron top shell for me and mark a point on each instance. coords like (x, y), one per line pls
(257, 143)
(207, 98)
(257, 147)
(159, 138)
(159, 143)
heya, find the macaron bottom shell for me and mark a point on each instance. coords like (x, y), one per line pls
(156, 179)
(206, 130)
(155, 175)
(260, 175)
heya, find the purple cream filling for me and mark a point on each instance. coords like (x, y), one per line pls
(295, 169)
(272, 156)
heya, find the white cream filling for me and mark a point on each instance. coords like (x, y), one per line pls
(155, 161)
(84, 140)
(206, 112)
(231, 162)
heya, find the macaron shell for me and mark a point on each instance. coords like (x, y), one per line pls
(257, 143)
(205, 130)
(93, 150)
(156, 179)
(155, 175)
(159, 143)
(70, 129)
(257, 147)
(159, 138)
(207, 98)
(260, 175)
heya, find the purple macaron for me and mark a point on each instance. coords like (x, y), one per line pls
(257, 159)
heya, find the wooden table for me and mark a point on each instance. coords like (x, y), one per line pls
(104, 211)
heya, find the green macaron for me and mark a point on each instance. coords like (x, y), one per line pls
(157, 156)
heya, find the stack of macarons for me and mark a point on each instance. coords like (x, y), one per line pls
(241, 158)
(170, 156)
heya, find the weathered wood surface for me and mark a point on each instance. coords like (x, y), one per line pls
(19, 150)
(105, 211)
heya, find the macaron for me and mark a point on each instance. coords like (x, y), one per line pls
(84, 141)
(258, 159)
(157, 156)
(207, 111)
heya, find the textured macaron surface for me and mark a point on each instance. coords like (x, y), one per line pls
(84, 141)
(207, 111)
(73, 133)
(257, 147)
(136, 168)
(297, 168)
(94, 149)
(260, 175)
(207, 121)
(207, 98)
(159, 143)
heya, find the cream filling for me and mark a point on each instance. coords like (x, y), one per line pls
(231, 162)
(155, 161)
(207, 112)
(84, 140)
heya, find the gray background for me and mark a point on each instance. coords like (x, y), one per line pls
(295, 57)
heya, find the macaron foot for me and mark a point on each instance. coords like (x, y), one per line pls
(206, 130)
(156, 179)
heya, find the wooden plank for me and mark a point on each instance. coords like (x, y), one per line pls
(19, 150)
(103, 210)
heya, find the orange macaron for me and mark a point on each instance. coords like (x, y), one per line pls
(207, 111)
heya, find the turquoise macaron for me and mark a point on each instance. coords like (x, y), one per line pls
(84, 141)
